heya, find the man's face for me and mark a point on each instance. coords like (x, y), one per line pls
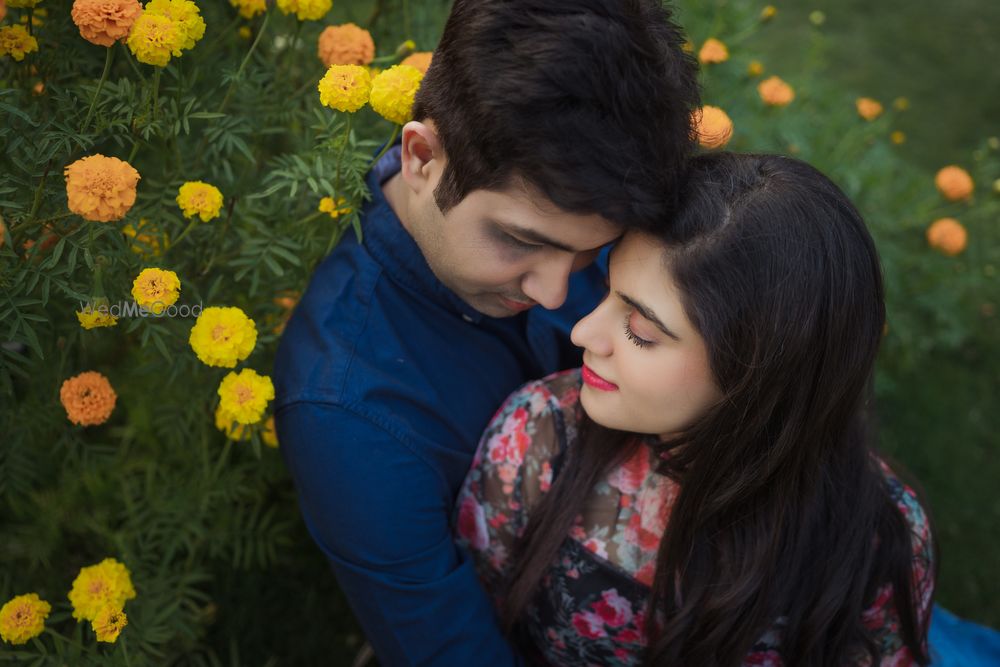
(505, 251)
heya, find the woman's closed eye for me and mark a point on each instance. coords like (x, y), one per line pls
(637, 340)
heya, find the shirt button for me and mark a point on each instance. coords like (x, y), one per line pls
(466, 317)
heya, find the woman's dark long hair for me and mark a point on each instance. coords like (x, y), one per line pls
(782, 509)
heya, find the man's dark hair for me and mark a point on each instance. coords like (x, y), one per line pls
(588, 101)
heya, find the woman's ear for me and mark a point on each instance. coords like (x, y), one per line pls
(422, 158)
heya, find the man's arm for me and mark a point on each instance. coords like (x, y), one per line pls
(381, 515)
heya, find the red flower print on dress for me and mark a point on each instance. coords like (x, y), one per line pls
(545, 477)
(763, 659)
(472, 524)
(589, 625)
(512, 442)
(613, 609)
(628, 477)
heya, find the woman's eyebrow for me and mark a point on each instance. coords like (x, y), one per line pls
(648, 313)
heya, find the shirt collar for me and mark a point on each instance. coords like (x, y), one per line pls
(393, 247)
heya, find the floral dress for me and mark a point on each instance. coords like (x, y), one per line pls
(591, 606)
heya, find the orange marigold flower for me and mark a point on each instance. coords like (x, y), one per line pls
(775, 92)
(421, 60)
(713, 51)
(715, 128)
(948, 236)
(868, 108)
(3, 10)
(345, 44)
(102, 22)
(954, 183)
(101, 188)
(88, 398)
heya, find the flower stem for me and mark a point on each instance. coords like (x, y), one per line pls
(37, 201)
(156, 91)
(97, 93)
(246, 59)
(194, 221)
(385, 148)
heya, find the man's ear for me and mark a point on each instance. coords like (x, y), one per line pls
(422, 155)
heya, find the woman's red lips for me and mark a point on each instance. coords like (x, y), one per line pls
(596, 381)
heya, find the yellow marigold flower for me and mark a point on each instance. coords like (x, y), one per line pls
(775, 92)
(345, 45)
(901, 104)
(345, 87)
(898, 137)
(101, 189)
(200, 198)
(868, 108)
(948, 236)
(393, 91)
(715, 128)
(96, 314)
(107, 584)
(249, 8)
(954, 183)
(421, 60)
(147, 240)
(244, 32)
(269, 435)
(185, 15)
(755, 68)
(245, 395)
(109, 623)
(996, 186)
(103, 22)
(88, 398)
(154, 38)
(155, 289)
(24, 4)
(223, 336)
(688, 46)
(23, 617)
(713, 51)
(326, 206)
(768, 13)
(15, 42)
(305, 10)
(226, 422)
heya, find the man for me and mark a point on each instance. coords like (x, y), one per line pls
(544, 129)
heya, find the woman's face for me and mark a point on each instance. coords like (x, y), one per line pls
(645, 367)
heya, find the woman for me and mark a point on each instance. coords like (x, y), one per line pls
(704, 490)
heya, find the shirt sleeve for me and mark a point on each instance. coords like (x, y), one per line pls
(381, 515)
(510, 473)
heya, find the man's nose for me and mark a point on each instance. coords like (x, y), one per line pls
(548, 283)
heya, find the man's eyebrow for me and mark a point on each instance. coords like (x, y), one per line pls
(533, 236)
(646, 312)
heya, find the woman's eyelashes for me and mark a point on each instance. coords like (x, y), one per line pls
(639, 342)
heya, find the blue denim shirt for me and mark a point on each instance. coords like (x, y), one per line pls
(384, 382)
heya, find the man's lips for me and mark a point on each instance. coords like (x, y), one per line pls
(516, 306)
(596, 381)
